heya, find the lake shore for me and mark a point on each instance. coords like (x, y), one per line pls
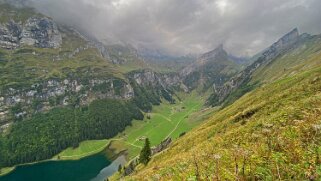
(85, 149)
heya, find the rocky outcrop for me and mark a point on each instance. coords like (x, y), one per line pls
(10, 35)
(102, 49)
(150, 78)
(130, 168)
(40, 32)
(150, 87)
(282, 45)
(162, 146)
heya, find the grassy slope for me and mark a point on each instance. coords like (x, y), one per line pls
(304, 56)
(8, 13)
(127, 57)
(273, 133)
(85, 148)
(29, 64)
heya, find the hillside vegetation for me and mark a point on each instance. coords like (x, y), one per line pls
(271, 133)
(46, 134)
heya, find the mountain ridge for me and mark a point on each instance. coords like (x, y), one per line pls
(284, 44)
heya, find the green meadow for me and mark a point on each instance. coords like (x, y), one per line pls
(166, 120)
(84, 149)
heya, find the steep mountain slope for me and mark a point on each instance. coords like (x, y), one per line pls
(241, 60)
(125, 57)
(304, 55)
(58, 88)
(270, 133)
(281, 113)
(211, 68)
(289, 55)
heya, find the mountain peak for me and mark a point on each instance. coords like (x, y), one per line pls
(220, 47)
(292, 35)
(284, 43)
(219, 50)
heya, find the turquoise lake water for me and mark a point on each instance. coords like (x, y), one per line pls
(93, 168)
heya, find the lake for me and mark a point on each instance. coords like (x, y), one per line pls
(93, 168)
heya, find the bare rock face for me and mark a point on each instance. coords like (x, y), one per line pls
(10, 35)
(62, 92)
(162, 146)
(150, 78)
(40, 32)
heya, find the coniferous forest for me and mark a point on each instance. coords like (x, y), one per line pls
(46, 134)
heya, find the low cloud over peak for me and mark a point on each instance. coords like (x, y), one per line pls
(190, 26)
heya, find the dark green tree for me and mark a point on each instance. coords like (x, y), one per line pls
(146, 153)
(119, 168)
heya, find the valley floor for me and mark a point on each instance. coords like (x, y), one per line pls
(166, 120)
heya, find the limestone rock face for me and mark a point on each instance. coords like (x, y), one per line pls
(40, 32)
(156, 80)
(55, 92)
(10, 35)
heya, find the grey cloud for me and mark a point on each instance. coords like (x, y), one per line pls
(187, 26)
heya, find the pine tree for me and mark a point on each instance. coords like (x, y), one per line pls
(119, 168)
(146, 153)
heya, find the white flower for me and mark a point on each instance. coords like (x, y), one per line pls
(217, 156)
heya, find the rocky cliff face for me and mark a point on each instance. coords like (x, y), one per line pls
(150, 78)
(10, 35)
(45, 95)
(23, 99)
(36, 31)
(156, 85)
(282, 45)
(52, 93)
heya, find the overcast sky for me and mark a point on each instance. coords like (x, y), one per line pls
(188, 26)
